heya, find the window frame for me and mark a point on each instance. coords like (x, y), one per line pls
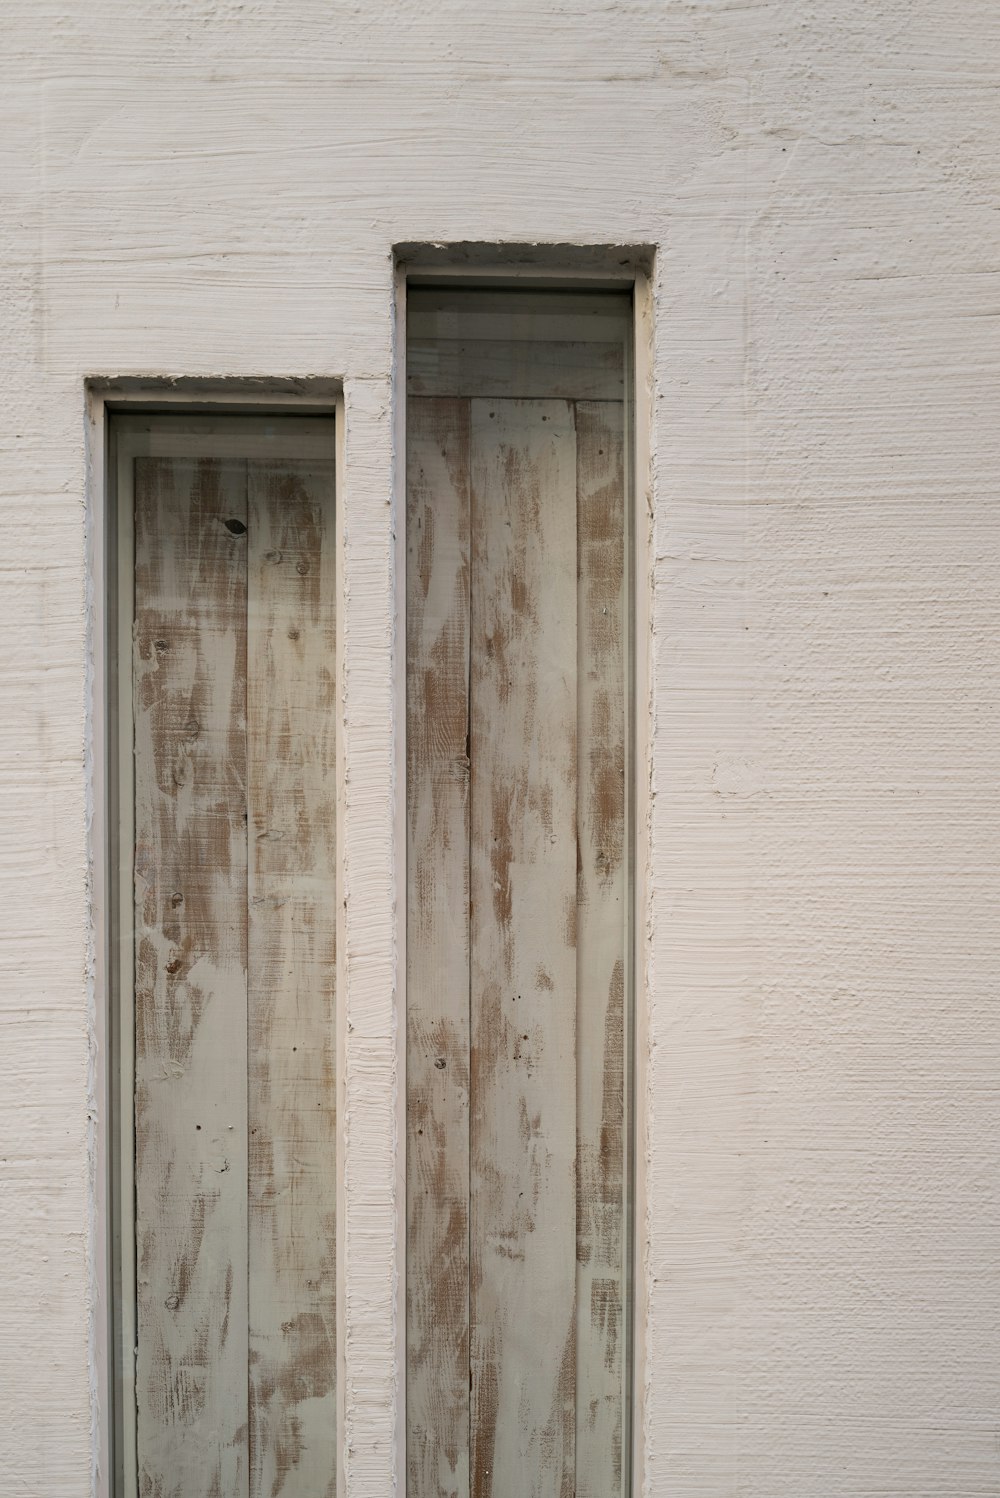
(126, 419)
(556, 267)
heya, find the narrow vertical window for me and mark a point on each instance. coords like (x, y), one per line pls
(519, 890)
(226, 973)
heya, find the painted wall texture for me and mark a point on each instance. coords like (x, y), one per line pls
(214, 188)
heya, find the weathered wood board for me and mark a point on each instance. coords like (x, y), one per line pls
(600, 950)
(291, 787)
(437, 1051)
(523, 967)
(191, 978)
(516, 936)
(235, 977)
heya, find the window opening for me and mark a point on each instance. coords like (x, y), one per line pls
(519, 892)
(225, 933)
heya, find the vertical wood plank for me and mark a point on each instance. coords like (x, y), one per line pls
(600, 948)
(291, 787)
(437, 1062)
(523, 948)
(190, 978)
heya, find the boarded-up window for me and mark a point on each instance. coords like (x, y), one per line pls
(518, 882)
(226, 769)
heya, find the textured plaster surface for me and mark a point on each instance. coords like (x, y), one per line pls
(213, 188)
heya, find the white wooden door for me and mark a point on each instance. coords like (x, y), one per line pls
(517, 922)
(234, 906)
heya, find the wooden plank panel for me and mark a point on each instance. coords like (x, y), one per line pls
(515, 368)
(523, 948)
(437, 643)
(291, 787)
(600, 949)
(190, 978)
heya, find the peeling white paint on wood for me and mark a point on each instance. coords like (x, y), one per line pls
(193, 191)
(516, 933)
(437, 1021)
(235, 970)
(291, 1110)
(523, 948)
(191, 977)
(602, 931)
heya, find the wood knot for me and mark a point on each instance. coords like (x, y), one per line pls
(235, 527)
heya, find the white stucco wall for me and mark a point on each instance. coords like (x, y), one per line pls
(213, 188)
